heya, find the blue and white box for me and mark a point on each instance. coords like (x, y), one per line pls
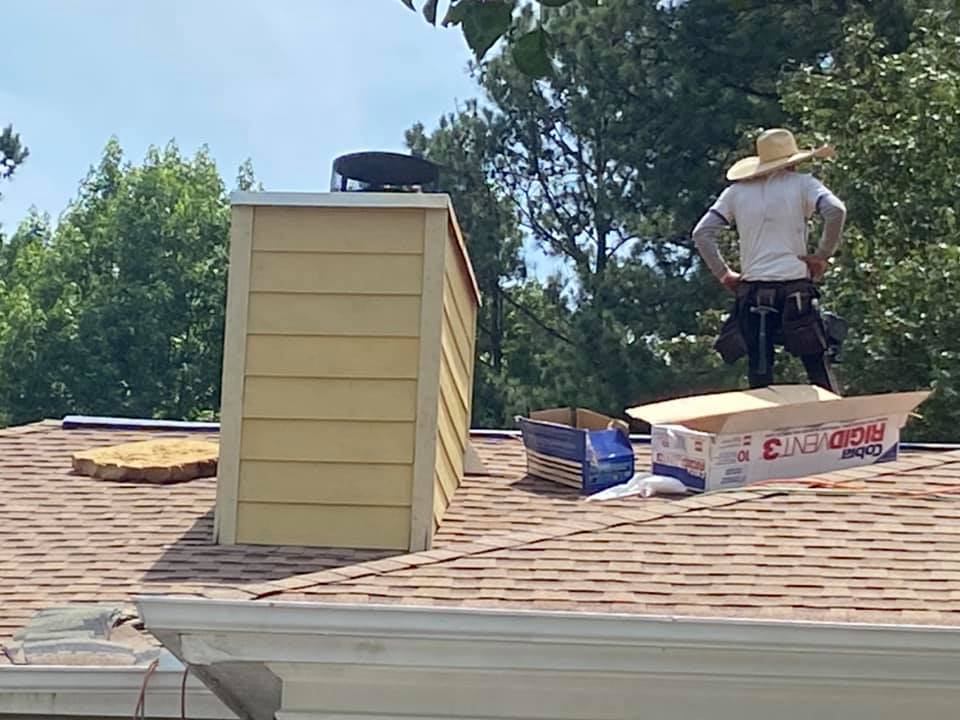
(577, 447)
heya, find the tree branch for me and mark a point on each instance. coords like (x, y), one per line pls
(540, 323)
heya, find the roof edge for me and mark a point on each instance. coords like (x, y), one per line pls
(186, 615)
(28, 690)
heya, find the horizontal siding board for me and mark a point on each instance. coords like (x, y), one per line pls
(326, 483)
(347, 274)
(459, 373)
(378, 231)
(455, 322)
(462, 294)
(449, 476)
(332, 357)
(350, 315)
(330, 399)
(440, 503)
(453, 399)
(458, 430)
(444, 488)
(323, 525)
(461, 338)
(452, 439)
(328, 441)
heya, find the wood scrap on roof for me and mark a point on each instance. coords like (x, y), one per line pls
(153, 461)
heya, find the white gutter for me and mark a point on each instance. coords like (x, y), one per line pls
(102, 692)
(213, 631)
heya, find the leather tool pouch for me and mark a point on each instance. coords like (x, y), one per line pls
(803, 332)
(730, 343)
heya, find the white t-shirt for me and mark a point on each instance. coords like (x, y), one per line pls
(771, 215)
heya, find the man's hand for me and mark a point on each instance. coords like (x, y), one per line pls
(816, 265)
(825, 152)
(731, 280)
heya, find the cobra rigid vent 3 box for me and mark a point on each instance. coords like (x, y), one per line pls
(730, 439)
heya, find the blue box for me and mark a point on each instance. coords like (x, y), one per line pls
(578, 448)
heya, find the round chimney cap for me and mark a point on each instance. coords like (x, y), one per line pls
(386, 169)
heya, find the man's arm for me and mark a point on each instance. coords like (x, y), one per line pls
(705, 237)
(834, 214)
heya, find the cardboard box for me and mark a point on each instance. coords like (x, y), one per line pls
(726, 440)
(577, 447)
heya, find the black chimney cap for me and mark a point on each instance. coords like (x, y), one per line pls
(384, 170)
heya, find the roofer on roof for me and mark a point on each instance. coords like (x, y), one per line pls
(770, 204)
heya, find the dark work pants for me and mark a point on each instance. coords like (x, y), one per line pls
(818, 372)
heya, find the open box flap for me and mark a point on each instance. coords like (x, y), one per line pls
(579, 418)
(557, 416)
(709, 413)
(864, 407)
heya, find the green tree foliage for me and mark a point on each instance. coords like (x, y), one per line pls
(896, 119)
(12, 152)
(601, 146)
(611, 157)
(484, 22)
(516, 335)
(12, 155)
(119, 310)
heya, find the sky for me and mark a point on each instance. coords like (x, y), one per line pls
(290, 84)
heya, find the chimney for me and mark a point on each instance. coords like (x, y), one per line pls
(348, 368)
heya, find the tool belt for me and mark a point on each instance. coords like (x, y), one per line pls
(799, 328)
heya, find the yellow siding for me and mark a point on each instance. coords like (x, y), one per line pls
(456, 378)
(330, 399)
(326, 483)
(328, 273)
(332, 357)
(466, 307)
(459, 335)
(331, 230)
(335, 379)
(459, 372)
(440, 499)
(350, 315)
(451, 456)
(452, 438)
(331, 525)
(456, 403)
(327, 441)
(450, 359)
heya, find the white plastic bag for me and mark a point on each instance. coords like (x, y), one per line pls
(644, 484)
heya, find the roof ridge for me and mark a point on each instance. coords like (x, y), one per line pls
(513, 540)
(31, 427)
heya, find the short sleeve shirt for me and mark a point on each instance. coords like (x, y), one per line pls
(771, 215)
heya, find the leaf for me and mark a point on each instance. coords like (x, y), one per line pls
(531, 53)
(456, 12)
(485, 23)
(430, 11)
(555, 3)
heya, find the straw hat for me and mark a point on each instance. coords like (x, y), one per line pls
(776, 149)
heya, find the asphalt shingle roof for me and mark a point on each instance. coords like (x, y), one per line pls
(876, 544)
